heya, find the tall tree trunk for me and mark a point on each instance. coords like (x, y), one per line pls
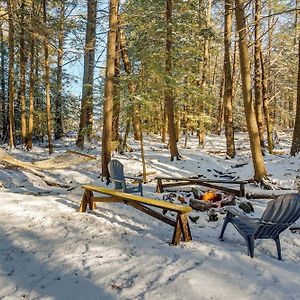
(169, 94)
(229, 129)
(269, 56)
(2, 88)
(109, 86)
(58, 129)
(291, 108)
(164, 123)
(134, 110)
(257, 157)
(117, 92)
(205, 67)
(22, 74)
(220, 121)
(11, 72)
(31, 80)
(127, 130)
(296, 136)
(234, 68)
(257, 74)
(265, 98)
(47, 80)
(296, 25)
(205, 73)
(86, 115)
(144, 173)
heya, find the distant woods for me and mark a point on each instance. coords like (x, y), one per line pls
(170, 68)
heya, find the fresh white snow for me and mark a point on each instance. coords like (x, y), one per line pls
(50, 251)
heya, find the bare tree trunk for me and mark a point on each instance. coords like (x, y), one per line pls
(11, 72)
(178, 125)
(234, 68)
(58, 129)
(164, 124)
(257, 74)
(117, 94)
(257, 157)
(2, 88)
(296, 26)
(296, 136)
(127, 130)
(31, 80)
(109, 87)
(205, 67)
(291, 108)
(220, 121)
(136, 122)
(205, 73)
(47, 80)
(86, 115)
(265, 98)
(131, 87)
(143, 152)
(229, 129)
(269, 56)
(169, 94)
(22, 74)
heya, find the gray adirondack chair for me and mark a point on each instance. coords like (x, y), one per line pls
(278, 216)
(116, 171)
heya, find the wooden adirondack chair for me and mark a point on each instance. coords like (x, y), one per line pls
(116, 171)
(278, 216)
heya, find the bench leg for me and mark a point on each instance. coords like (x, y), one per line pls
(182, 228)
(185, 228)
(177, 231)
(86, 199)
(159, 187)
(92, 204)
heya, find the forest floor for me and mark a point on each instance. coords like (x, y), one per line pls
(50, 251)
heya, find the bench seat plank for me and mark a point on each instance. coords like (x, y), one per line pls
(139, 199)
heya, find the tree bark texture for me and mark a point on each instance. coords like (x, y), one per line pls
(269, 58)
(220, 121)
(169, 94)
(109, 87)
(228, 114)
(86, 115)
(22, 74)
(58, 128)
(257, 158)
(47, 80)
(296, 135)
(117, 92)
(31, 80)
(164, 123)
(257, 73)
(11, 71)
(135, 113)
(3, 87)
(265, 98)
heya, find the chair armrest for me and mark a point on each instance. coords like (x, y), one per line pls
(117, 180)
(236, 213)
(134, 178)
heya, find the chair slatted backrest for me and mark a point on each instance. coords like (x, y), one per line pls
(116, 171)
(279, 214)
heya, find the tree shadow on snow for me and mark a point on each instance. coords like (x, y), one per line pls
(29, 273)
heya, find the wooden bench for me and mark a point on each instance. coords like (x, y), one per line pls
(181, 224)
(182, 181)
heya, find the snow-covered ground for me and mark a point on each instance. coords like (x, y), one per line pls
(50, 251)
